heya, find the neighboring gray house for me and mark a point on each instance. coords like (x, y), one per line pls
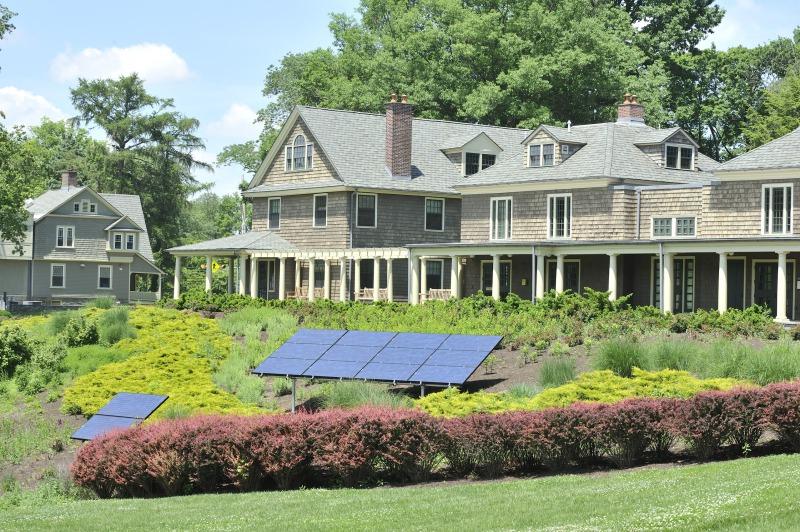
(81, 244)
(368, 206)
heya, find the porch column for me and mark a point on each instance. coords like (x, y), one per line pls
(282, 279)
(342, 279)
(413, 297)
(230, 275)
(209, 271)
(455, 281)
(176, 288)
(496, 277)
(356, 278)
(559, 273)
(667, 282)
(780, 304)
(722, 283)
(311, 278)
(326, 290)
(612, 276)
(298, 277)
(423, 279)
(376, 278)
(389, 281)
(242, 275)
(540, 279)
(158, 292)
(253, 277)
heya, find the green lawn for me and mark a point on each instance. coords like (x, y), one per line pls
(756, 493)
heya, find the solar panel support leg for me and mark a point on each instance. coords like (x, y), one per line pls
(294, 395)
(422, 390)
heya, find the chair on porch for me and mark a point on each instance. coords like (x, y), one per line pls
(367, 294)
(297, 293)
(441, 294)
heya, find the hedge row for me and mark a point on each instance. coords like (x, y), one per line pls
(372, 445)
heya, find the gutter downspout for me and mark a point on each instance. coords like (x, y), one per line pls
(33, 255)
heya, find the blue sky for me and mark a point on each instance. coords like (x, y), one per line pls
(212, 60)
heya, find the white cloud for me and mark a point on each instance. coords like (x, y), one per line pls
(153, 62)
(238, 122)
(23, 107)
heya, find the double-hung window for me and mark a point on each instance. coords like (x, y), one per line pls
(679, 157)
(541, 155)
(366, 210)
(473, 162)
(320, 210)
(433, 273)
(500, 219)
(65, 236)
(130, 241)
(104, 277)
(299, 154)
(776, 209)
(274, 213)
(58, 275)
(434, 214)
(559, 215)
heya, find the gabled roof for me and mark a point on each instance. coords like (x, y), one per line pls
(783, 152)
(657, 136)
(53, 199)
(130, 205)
(253, 240)
(561, 134)
(126, 217)
(459, 141)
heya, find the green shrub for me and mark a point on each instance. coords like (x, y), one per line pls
(104, 302)
(85, 359)
(621, 355)
(281, 386)
(80, 330)
(673, 354)
(4, 314)
(350, 394)
(44, 368)
(774, 363)
(556, 371)
(523, 390)
(58, 321)
(16, 347)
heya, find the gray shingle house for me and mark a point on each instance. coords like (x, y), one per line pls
(81, 244)
(351, 205)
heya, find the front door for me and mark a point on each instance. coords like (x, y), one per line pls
(765, 285)
(735, 283)
(572, 275)
(267, 279)
(682, 284)
(505, 277)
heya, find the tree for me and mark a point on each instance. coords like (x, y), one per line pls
(152, 149)
(210, 216)
(15, 186)
(780, 114)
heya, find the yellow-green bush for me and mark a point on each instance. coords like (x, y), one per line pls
(596, 386)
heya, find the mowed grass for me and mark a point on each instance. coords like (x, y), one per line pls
(747, 494)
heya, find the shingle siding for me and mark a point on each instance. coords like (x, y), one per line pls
(733, 208)
(296, 224)
(14, 277)
(81, 281)
(667, 204)
(90, 238)
(321, 166)
(401, 221)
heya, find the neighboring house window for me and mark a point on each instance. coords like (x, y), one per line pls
(87, 207)
(662, 227)
(65, 236)
(130, 241)
(320, 210)
(104, 277)
(473, 162)
(434, 214)
(541, 155)
(367, 210)
(500, 219)
(679, 157)
(559, 215)
(274, 213)
(299, 154)
(58, 275)
(433, 273)
(76, 207)
(117, 241)
(776, 209)
(681, 226)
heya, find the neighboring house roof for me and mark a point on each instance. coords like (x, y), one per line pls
(130, 205)
(53, 199)
(253, 240)
(122, 219)
(610, 152)
(779, 153)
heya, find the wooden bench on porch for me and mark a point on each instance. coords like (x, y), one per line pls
(367, 294)
(441, 294)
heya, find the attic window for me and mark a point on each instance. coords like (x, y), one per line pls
(84, 206)
(473, 162)
(679, 157)
(541, 155)
(299, 154)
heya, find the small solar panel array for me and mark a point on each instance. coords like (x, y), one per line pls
(122, 411)
(447, 359)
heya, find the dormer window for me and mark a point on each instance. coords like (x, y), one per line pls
(679, 157)
(541, 155)
(299, 154)
(473, 162)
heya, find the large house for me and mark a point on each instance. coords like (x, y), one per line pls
(351, 205)
(80, 244)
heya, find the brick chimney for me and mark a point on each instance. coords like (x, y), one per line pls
(69, 179)
(630, 111)
(399, 117)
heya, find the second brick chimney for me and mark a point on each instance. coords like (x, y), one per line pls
(399, 119)
(69, 179)
(630, 111)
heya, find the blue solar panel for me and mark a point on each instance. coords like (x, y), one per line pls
(282, 366)
(402, 355)
(316, 336)
(351, 353)
(135, 405)
(418, 340)
(378, 339)
(305, 351)
(466, 342)
(442, 374)
(99, 425)
(456, 358)
(335, 369)
(387, 372)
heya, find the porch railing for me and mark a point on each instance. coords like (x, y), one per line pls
(142, 297)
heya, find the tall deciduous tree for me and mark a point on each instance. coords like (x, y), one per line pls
(780, 114)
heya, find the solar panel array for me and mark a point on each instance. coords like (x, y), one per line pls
(122, 411)
(379, 356)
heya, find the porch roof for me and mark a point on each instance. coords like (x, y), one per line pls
(250, 241)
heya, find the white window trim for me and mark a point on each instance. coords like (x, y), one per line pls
(510, 231)
(127, 236)
(290, 146)
(425, 207)
(441, 273)
(63, 277)
(314, 211)
(553, 263)
(110, 277)
(788, 221)
(679, 146)
(375, 221)
(673, 227)
(541, 145)
(114, 241)
(65, 228)
(550, 235)
(480, 162)
(123, 235)
(269, 212)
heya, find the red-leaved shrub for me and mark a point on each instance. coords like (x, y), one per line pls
(626, 430)
(747, 412)
(486, 445)
(282, 447)
(704, 422)
(567, 436)
(783, 412)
